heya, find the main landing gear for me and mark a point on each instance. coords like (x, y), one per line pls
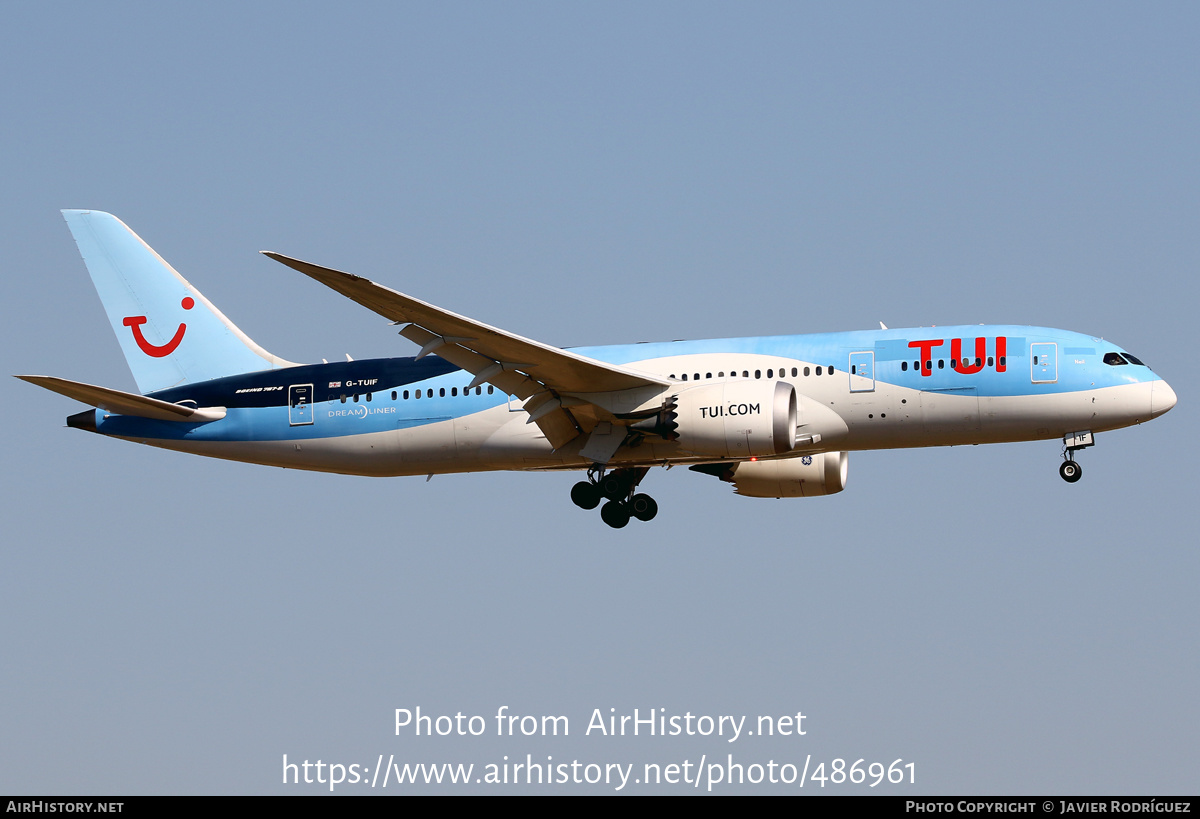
(618, 489)
(1070, 470)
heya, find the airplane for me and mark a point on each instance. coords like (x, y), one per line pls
(774, 416)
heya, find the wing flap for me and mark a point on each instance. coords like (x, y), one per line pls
(503, 375)
(559, 427)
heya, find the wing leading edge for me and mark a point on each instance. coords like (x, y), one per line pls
(551, 381)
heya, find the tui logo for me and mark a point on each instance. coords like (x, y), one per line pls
(135, 323)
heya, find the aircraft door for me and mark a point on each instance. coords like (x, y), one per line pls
(300, 409)
(1043, 359)
(862, 372)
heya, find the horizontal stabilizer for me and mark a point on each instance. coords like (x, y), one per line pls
(125, 403)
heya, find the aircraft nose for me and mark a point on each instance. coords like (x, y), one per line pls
(1162, 398)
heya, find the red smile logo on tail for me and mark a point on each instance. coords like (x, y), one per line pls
(136, 322)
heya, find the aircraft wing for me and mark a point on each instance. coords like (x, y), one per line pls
(540, 373)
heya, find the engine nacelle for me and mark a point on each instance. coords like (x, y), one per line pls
(737, 419)
(801, 477)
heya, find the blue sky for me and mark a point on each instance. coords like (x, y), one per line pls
(589, 175)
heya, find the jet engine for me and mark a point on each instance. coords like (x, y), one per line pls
(799, 477)
(730, 419)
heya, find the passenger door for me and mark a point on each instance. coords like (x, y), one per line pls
(1043, 362)
(862, 372)
(300, 409)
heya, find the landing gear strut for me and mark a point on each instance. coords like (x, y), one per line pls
(1070, 470)
(618, 487)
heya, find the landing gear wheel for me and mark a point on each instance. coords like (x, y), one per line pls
(1070, 471)
(643, 507)
(585, 495)
(615, 514)
(613, 487)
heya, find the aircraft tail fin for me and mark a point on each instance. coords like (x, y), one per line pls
(169, 332)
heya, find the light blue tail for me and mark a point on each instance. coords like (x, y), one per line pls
(169, 332)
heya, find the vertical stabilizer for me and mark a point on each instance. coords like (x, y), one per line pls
(169, 332)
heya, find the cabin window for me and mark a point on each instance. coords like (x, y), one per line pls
(770, 373)
(454, 392)
(368, 396)
(418, 393)
(355, 398)
(406, 395)
(491, 389)
(806, 371)
(818, 370)
(343, 399)
(904, 366)
(794, 372)
(442, 392)
(708, 375)
(831, 369)
(685, 376)
(393, 395)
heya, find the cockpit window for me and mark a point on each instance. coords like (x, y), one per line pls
(1114, 359)
(1132, 359)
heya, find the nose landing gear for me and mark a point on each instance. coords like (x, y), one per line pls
(1070, 470)
(618, 487)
